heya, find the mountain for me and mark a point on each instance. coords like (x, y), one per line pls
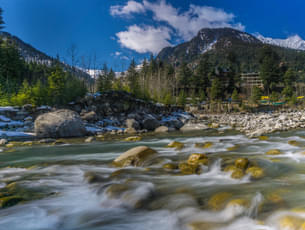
(222, 44)
(293, 42)
(30, 54)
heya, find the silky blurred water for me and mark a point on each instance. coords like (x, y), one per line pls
(151, 198)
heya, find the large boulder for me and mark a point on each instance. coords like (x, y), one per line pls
(150, 123)
(134, 157)
(132, 123)
(90, 116)
(59, 124)
(193, 127)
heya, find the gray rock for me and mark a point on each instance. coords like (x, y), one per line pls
(90, 139)
(163, 129)
(90, 116)
(130, 131)
(3, 142)
(58, 124)
(47, 141)
(150, 123)
(132, 123)
(193, 127)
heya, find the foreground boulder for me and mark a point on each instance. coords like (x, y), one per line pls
(134, 157)
(193, 127)
(59, 124)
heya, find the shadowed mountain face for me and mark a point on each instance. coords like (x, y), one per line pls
(218, 44)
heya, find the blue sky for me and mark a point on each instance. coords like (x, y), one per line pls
(115, 31)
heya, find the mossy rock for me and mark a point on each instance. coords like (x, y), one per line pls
(188, 169)
(205, 145)
(230, 168)
(275, 198)
(241, 163)
(116, 190)
(92, 177)
(175, 144)
(237, 174)
(233, 148)
(238, 202)
(201, 225)
(263, 138)
(274, 152)
(197, 158)
(28, 143)
(291, 223)
(295, 143)
(170, 166)
(133, 139)
(134, 157)
(219, 200)
(9, 201)
(255, 172)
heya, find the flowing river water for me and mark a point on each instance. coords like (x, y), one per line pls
(152, 198)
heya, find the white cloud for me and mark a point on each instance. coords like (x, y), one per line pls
(188, 23)
(145, 39)
(117, 53)
(179, 25)
(131, 7)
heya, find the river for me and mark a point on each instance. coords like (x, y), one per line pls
(150, 197)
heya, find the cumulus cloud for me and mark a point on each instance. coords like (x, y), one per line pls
(188, 23)
(183, 24)
(145, 38)
(131, 7)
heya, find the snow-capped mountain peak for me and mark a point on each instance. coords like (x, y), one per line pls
(292, 42)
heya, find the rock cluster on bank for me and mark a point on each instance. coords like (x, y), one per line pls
(112, 112)
(258, 124)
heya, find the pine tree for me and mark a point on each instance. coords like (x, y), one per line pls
(133, 79)
(201, 77)
(184, 76)
(56, 83)
(182, 98)
(269, 67)
(235, 95)
(256, 95)
(216, 90)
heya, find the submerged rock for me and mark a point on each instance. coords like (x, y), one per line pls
(134, 157)
(274, 152)
(60, 123)
(255, 172)
(176, 144)
(219, 200)
(9, 201)
(170, 166)
(205, 145)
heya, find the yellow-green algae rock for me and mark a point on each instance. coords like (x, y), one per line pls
(205, 145)
(170, 166)
(219, 200)
(197, 158)
(242, 163)
(176, 144)
(134, 157)
(274, 152)
(295, 143)
(188, 169)
(237, 174)
(263, 138)
(255, 172)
